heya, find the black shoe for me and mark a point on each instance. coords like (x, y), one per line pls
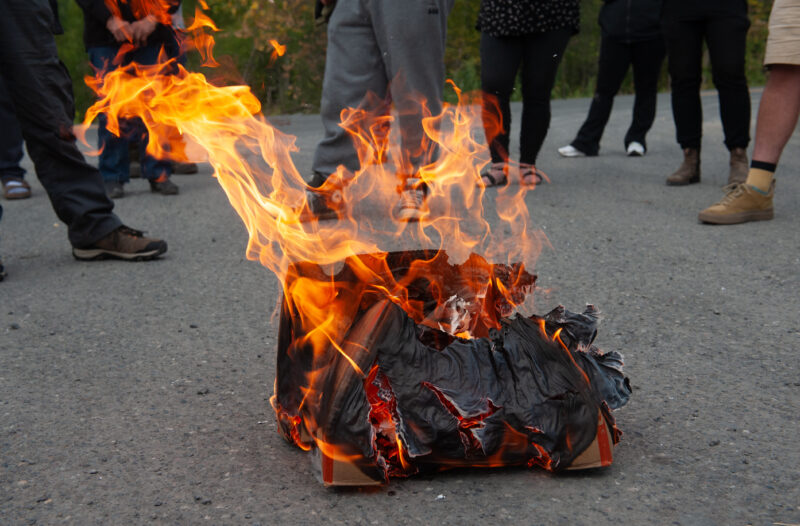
(114, 189)
(323, 201)
(123, 243)
(165, 187)
(2, 270)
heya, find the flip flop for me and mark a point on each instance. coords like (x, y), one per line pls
(532, 176)
(16, 189)
(487, 180)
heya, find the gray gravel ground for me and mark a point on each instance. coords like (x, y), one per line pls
(137, 393)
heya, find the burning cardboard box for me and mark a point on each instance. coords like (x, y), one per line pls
(405, 363)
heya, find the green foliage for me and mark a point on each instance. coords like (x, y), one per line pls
(293, 83)
(73, 53)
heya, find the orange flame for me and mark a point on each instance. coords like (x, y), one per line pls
(278, 49)
(252, 162)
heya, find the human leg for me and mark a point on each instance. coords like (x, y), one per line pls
(411, 37)
(726, 37)
(684, 40)
(156, 171)
(353, 67)
(612, 65)
(42, 93)
(647, 58)
(113, 160)
(500, 60)
(41, 90)
(542, 53)
(777, 112)
(777, 118)
(12, 175)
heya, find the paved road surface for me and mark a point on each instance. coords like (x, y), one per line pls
(136, 393)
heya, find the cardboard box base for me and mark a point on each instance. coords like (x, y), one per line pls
(600, 452)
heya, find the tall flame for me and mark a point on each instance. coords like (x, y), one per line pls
(252, 162)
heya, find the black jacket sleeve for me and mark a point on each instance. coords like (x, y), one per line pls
(96, 8)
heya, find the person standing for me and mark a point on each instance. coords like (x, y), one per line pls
(530, 35)
(144, 30)
(394, 50)
(777, 119)
(41, 91)
(722, 25)
(631, 36)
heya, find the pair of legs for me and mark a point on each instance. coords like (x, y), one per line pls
(380, 53)
(725, 36)
(373, 44)
(616, 57)
(537, 56)
(114, 161)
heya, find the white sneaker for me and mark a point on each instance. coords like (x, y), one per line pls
(570, 151)
(412, 205)
(635, 149)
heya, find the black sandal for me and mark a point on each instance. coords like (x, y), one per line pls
(487, 180)
(532, 176)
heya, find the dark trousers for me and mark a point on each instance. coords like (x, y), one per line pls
(41, 89)
(725, 36)
(10, 138)
(538, 55)
(114, 162)
(616, 57)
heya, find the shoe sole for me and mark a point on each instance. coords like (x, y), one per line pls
(307, 217)
(411, 215)
(96, 254)
(739, 217)
(693, 180)
(572, 155)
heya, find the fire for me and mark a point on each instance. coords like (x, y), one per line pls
(278, 50)
(252, 162)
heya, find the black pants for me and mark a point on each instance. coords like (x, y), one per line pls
(539, 54)
(10, 139)
(41, 89)
(616, 57)
(725, 35)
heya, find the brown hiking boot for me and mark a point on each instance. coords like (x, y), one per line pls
(739, 167)
(123, 243)
(741, 203)
(689, 170)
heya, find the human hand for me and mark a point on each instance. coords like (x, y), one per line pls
(120, 29)
(142, 28)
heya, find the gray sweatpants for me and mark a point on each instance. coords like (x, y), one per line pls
(392, 48)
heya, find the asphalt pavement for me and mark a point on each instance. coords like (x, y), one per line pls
(138, 392)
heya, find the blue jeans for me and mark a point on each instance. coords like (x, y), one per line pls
(114, 162)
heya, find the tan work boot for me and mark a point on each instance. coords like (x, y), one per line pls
(742, 203)
(689, 170)
(739, 167)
